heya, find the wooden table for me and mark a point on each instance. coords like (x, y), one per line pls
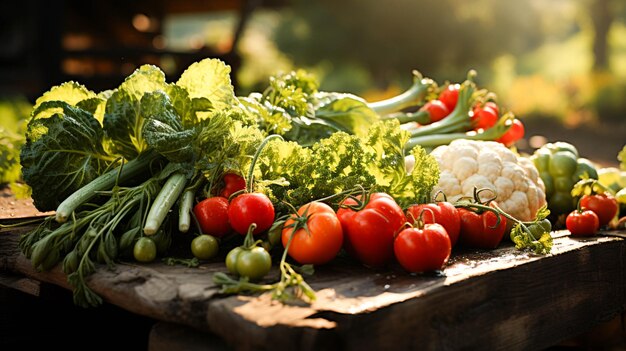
(490, 300)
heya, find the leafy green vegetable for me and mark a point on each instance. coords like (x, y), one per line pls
(70, 92)
(344, 162)
(209, 79)
(125, 112)
(163, 129)
(293, 107)
(388, 142)
(62, 153)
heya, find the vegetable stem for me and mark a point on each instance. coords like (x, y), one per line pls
(412, 97)
(249, 181)
(164, 201)
(444, 137)
(184, 213)
(105, 181)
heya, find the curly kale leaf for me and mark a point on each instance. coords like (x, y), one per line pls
(62, 153)
(386, 142)
(329, 167)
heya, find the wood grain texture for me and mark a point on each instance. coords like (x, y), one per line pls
(500, 299)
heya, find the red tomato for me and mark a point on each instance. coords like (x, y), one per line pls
(436, 109)
(450, 95)
(515, 133)
(212, 215)
(605, 206)
(479, 230)
(484, 117)
(443, 212)
(369, 233)
(493, 106)
(422, 250)
(322, 238)
(232, 183)
(581, 223)
(249, 208)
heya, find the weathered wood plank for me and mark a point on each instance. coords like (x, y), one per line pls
(486, 299)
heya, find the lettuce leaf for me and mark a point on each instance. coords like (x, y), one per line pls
(209, 79)
(386, 141)
(344, 162)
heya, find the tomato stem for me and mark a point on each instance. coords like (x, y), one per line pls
(250, 187)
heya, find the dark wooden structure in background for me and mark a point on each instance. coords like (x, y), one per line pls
(45, 43)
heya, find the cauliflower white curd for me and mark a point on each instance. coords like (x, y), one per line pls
(466, 164)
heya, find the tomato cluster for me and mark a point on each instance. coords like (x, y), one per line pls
(484, 115)
(218, 217)
(594, 211)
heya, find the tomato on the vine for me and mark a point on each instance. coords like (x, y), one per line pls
(249, 208)
(204, 246)
(605, 206)
(484, 117)
(582, 223)
(369, 233)
(212, 215)
(318, 236)
(515, 133)
(481, 230)
(423, 249)
(493, 106)
(232, 183)
(443, 213)
(436, 109)
(253, 263)
(450, 95)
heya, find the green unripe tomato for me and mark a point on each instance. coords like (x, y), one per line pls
(204, 246)
(145, 250)
(563, 163)
(254, 263)
(231, 260)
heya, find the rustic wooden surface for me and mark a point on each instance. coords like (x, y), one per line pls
(500, 299)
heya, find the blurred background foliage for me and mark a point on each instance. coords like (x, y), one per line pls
(542, 58)
(559, 65)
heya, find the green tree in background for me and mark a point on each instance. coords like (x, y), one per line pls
(391, 38)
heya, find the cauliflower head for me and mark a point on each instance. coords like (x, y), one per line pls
(466, 164)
